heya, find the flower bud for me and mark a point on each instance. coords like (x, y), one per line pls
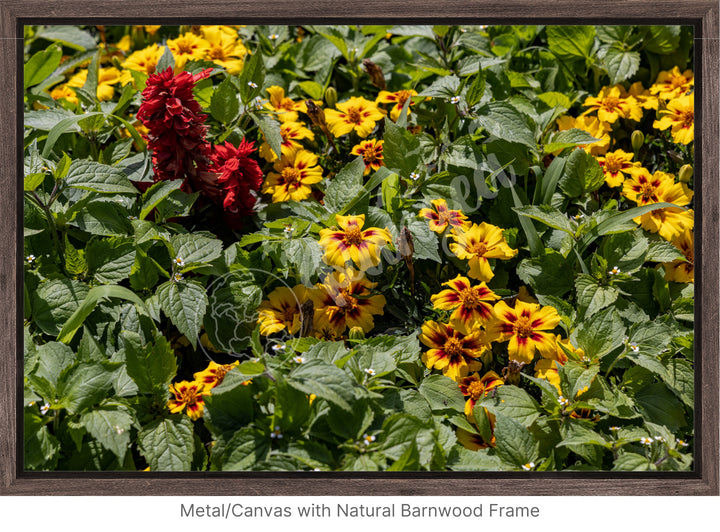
(377, 77)
(356, 333)
(317, 116)
(637, 139)
(686, 173)
(331, 96)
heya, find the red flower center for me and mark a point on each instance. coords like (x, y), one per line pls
(523, 327)
(353, 236)
(453, 347)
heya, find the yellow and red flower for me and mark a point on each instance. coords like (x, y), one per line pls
(441, 217)
(643, 188)
(287, 110)
(453, 348)
(669, 222)
(682, 271)
(343, 300)
(293, 174)
(475, 388)
(671, 84)
(291, 133)
(470, 304)
(643, 96)
(547, 369)
(372, 154)
(680, 118)
(224, 48)
(214, 374)
(144, 60)
(477, 244)
(282, 310)
(190, 395)
(350, 243)
(356, 114)
(475, 442)
(613, 103)
(398, 99)
(107, 77)
(528, 328)
(187, 47)
(615, 165)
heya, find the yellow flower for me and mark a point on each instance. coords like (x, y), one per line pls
(356, 114)
(616, 164)
(286, 109)
(344, 300)
(186, 48)
(144, 60)
(107, 77)
(350, 243)
(477, 244)
(470, 304)
(682, 271)
(282, 310)
(643, 189)
(546, 368)
(475, 388)
(528, 328)
(670, 222)
(214, 374)
(372, 154)
(590, 124)
(475, 442)
(224, 48)
(613, 103)
(291, 133)
(63, 91)
(441, 217)
(190, 395)
(671, 84)
(124, 43)
(680, 117)
(643, 96)
(453, 348)
(398, 98)
(293, 174)
(151, 30)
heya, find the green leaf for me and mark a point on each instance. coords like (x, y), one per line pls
(70, 36)
(661, 39)
(514, 443)
(477, 89)
(659, 405)
(53, 358)
(63, 126)
(195, 249)
(662, 251)
(568, 139)
(408, 461)
(401, 149)
(102, 218)
(230, 406)
(593, 296)
(111, 427)
(167, 444)
(547, 274)
(84, 385)
(89, 175)
(110, 259)
(246, 448)
(150, 366)
(621, 64)
(224, 104)
(627, 251)
(582, 174)
(55, 301)
(401, 431)
(304, 254)
(156, 194)
(632, 462)
(577, 434)
(600, 334)
(271, 132)
(504, 121)
(443, 87)
(41, 65)
(344, 186)
(92, 298)
(32, 181)
(547, 215)
(442, 393)
(184, 302)
(570, 43)
(252, 77)
(548, 185)
(325, 380)
(40, 447)
(533, 238)
(513, 402)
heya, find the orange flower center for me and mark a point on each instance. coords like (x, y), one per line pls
(611, 102)
(403, 97)
(478, 248)
(523, 327)
(647, 191)
(678, 82)
(288, 314)
(353, 115)
(476, 390)
(186, 47)
(291, 175)
(453, 347)
(470, 298)
(189, 396)
(216, 52)
(286, 103)
(613, 164)
(353, 236)
(372, 154)
(687, 118)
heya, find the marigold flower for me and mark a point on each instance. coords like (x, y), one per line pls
(64, 92)
(477, 244)
(671, 84)
(528, 328)
(475, 442)
(669, 222)
(214, 374)
(470, 304)
(616, 164)
(351, 243)
(441, 217)
(286, 109)
(175, 123)
(107, 77)
(475, 388)
(224, 48)
(643, 188)
(344, 300)
(612, 104)
(144, 60)
(291, 133)
(398, 98)
(589, 124)
(188, 47)
(282, 310)
(453, 348)
(356, 114)
(372, 154)
(680, 118)
(682, 271)
(190, 395)
(546, 368)
(292, 176)
(643, 96)
(239, 174)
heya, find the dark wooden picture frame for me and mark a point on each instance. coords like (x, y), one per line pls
(702, 15)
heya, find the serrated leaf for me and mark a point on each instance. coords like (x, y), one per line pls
(89, 175)
(111, 427)
(504, 121)
(70, 36)
(547, 274)
(246, 448)
(271, 133)
(659, 405)
(345, 185)
(547, 215)
(156, 194)
(110, 260)
(84, 385)
(252, 77)
(196, 249)
(600, 334)
(184, 302)
(593, 296)
(570, 43)
(582, 174)
(401, 149)
(150, 366)
(55, 301)
(224, 104)
(325, 380)
(442, 393)
(621, 64)
(167, 444)
(512, 402)
(64, 126)
(514, 443)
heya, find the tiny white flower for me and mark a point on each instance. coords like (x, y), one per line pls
(44, 408)
(483, 27)
(273, 37)
(528, 466)
(634, 347)
(579, 216)
(299, 360)
(659, 438)
(368, 439)
(30, 259)
(646, 441)
(317, 469)
(615, 270)
(177, 277)
(370, 371)
(455, 99)
(252, 85)
(681, 443)
(614, 429)
(563, 401)
(179, 262)
(288, 231)
(31, 403)
(276, 434)
(119, 429)
(131, 217)
(278, 347)
(414, 176)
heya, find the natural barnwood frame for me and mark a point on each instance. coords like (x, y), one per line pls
(701, 14)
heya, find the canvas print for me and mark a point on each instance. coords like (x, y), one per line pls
(358, 248)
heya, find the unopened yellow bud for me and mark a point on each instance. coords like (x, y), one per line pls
(637, 139)
(356, 333)
(331, 96)
(686, 173)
